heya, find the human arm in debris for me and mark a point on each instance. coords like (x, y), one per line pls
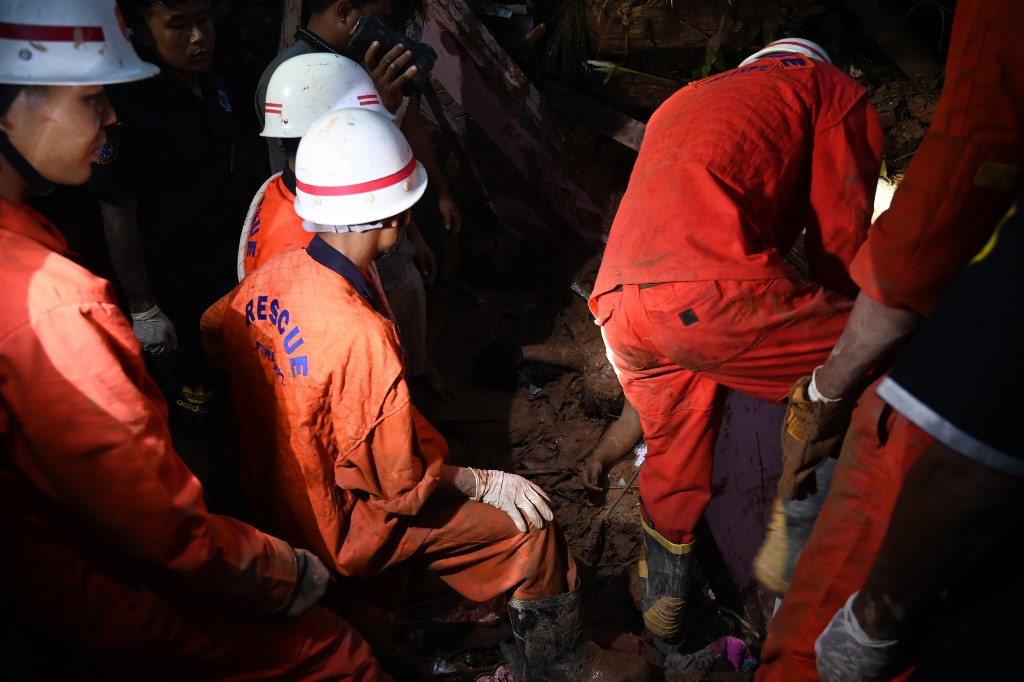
(616, 442)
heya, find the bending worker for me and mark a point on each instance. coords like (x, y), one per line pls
(107, 546)
(963, 177)
(335, 453)
(733, 168)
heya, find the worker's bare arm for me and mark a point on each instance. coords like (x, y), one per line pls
(872, 333)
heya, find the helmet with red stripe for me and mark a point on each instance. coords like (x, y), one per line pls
(807, 48)
(353, 169)
(66, 42)
(306, 87)
(60, 43)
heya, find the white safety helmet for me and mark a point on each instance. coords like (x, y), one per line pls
(66, 42)
(353, 169)
(306, 87)
(807, 48)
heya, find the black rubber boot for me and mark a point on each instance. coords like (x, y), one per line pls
(664, 578)
(549, 633)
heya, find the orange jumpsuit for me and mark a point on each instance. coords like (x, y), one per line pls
(965, 174)
(273, 227)
(693, 294)
(336, 458)
(104, 536)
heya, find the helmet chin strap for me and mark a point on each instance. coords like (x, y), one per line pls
(36, 183)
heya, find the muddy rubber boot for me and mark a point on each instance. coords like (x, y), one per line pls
(664, 578)
(788, 531)
(549, 633)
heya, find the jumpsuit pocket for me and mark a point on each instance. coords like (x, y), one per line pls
(701, 325)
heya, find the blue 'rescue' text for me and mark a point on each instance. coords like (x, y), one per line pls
(250, 247)
(279, 318)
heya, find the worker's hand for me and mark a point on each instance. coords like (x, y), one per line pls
(155, 331)
(592, 474)
(451, 216)
(812, 431)
(389, 74)
(514, 495)
(424, 258)
(845, 653)
(311, 581)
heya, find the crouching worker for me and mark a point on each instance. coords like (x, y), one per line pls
(335, 454)
(107, 546)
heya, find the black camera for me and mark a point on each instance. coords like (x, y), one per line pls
(369, 29)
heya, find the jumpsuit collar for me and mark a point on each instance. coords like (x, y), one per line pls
(334, 260)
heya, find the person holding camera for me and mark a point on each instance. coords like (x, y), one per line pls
(400, 68)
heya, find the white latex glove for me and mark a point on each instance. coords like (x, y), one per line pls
(155, 331)
(514, 495)
(311, 582)
(845, 653)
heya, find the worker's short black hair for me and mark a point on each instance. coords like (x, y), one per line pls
(311, 7)
(134, 11)
(401, 10)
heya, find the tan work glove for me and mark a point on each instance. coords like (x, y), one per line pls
(514, 495)
(812, 431)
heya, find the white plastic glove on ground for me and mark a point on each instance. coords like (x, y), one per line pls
(155, 331)
(312, 580)
(845, 653)
(514, 495)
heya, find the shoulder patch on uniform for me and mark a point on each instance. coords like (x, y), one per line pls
(794, 61)
(109, 151)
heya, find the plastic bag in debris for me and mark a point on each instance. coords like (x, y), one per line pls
(695, 666)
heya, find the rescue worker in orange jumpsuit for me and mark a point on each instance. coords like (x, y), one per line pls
(961, 180)
(693, 295)
(334, 451)
(107, 545)
(961, 502)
